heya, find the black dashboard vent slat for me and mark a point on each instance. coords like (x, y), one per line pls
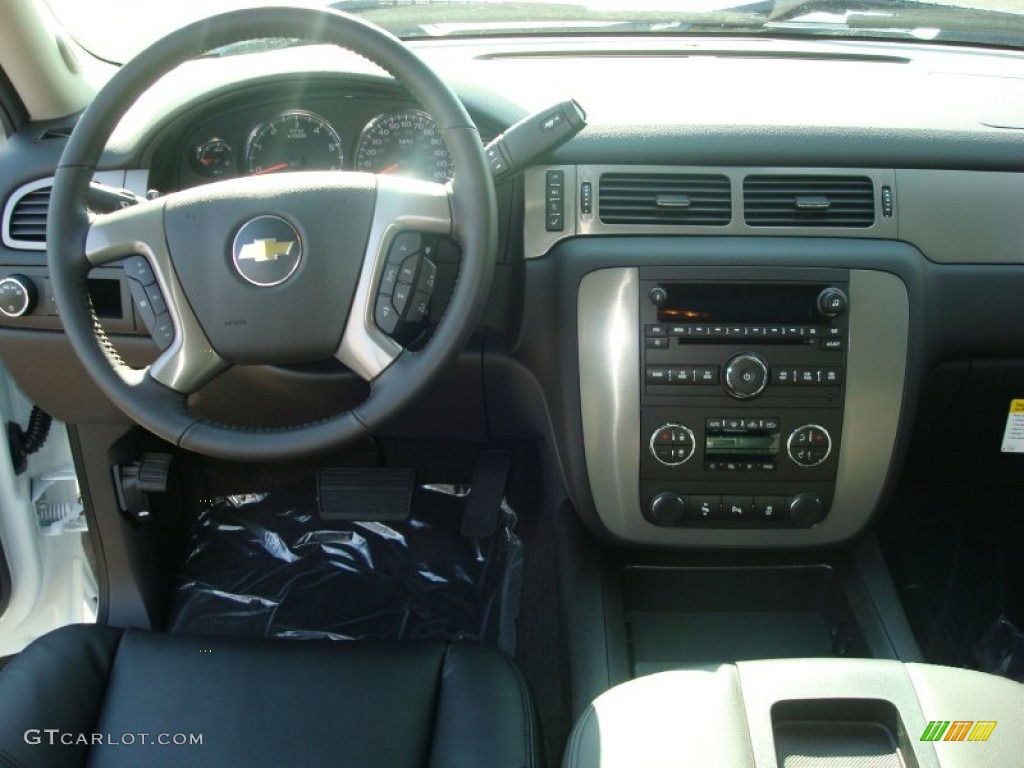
(25, 225)
(664, 199)
(808, 201)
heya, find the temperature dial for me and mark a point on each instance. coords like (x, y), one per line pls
(213, 158)
(17, 295)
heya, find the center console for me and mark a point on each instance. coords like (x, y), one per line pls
(741, 409)
(739, 406)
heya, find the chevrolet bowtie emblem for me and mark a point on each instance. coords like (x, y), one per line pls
(266, 249)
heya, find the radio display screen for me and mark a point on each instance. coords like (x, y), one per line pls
(741, 445)
(739, 303)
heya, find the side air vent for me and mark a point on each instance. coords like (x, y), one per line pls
(664, 198)
(808, 201)
(55, 133)
(24, 222)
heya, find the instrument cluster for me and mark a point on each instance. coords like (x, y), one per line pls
(401, 140)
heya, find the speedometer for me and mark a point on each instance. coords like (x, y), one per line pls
(406, 142)
(294, 141)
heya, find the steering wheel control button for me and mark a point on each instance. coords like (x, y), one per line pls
(400, 298)
(403, 246)
(385, 315)
(809, 445)
(17, 295)
(266, 251)
(137, 268)
(746, 376)
(142, 304)
(428, 277)
(156, 299)
(668, 509)
(389, 279)
(672, 444)
(407, 272)
(163, 331)
(419, 309)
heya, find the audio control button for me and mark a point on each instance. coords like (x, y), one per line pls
(706, 374)
(746, 376)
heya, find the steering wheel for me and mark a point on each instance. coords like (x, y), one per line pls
(272, 269)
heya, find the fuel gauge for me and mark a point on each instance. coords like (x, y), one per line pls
(213, 158)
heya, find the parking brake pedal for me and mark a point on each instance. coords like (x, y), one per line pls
(380, 494)
(487, 491)
(132, 483)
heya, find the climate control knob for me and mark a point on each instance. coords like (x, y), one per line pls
(17, 295)
(667, 508)
(746, 376)
(806, 509)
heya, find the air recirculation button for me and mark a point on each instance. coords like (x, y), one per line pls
(672, 444)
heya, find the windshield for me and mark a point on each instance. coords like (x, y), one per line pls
(117, 29)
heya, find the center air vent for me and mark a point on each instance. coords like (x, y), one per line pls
(24, 223)
(664, 198)
(808, 201)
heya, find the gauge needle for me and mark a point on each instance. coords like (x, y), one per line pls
(271, 169)
(390, 168)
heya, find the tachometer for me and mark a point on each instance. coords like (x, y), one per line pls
(406, 142)
(294, 141)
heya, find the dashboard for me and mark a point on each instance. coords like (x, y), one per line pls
(704, 173)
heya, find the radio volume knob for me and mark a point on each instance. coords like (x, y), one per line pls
(746, 376)
(832, 302)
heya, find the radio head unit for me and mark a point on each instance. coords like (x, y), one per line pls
(741, 400)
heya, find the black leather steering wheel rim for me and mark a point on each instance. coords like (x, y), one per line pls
(164, 411)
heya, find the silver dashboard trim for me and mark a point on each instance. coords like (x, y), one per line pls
(609, 360)
(537, 241)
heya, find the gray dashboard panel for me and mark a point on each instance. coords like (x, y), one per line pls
(609, 364)
(963, 217)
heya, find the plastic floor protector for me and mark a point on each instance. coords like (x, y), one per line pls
(267, 565)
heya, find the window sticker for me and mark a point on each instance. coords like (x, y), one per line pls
(1013, 437)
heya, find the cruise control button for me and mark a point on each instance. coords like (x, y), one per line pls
(163, 331)
(138, 268)
(404, 245)
(385, 316)
(156, 299)
(142, 305)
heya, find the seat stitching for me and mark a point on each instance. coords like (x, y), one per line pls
(110, 673)
(526, 708)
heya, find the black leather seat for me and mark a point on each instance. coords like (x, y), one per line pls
(261, 703)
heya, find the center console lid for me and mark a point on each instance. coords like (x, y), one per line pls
(805, 712)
